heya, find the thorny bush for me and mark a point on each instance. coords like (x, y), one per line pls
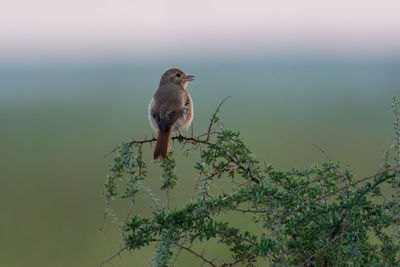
(320, 216)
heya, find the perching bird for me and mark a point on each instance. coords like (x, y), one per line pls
(170, 109)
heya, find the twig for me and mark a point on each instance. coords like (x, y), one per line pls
(384, 158)
(197, 254)
(204, 134)
(168, 199)
(327, 156)
(131, 197)
(115, 255)
(214, 116)
(103, 222)
(180, 250)
(251, 211)
(241, 167)
(151, 196)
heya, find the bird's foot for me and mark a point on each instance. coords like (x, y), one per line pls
(180, 136)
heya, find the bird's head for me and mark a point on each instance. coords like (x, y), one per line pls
(176, 76)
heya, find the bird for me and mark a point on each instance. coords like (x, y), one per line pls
(170, 109)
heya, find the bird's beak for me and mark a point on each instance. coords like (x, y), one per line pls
(188, 78)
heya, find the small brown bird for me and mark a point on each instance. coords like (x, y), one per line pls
(170, 109)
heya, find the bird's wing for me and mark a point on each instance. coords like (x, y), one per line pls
(165, 114)
(166, 120)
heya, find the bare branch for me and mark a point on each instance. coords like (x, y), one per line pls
(214, 116)
(115, 255)
(327, 156)
(196, 254)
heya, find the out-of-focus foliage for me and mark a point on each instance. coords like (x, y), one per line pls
(320, 216)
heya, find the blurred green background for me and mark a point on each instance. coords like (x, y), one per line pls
(58, 120)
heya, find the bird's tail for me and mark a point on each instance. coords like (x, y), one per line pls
(162, 146)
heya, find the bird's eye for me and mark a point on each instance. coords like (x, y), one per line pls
(178, 75)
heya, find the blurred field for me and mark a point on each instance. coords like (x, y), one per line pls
(57, 122)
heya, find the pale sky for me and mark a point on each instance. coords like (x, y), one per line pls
(36, 28)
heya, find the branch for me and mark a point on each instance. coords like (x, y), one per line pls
(113, 256)
(252, 211)
(326, 155)
(240, 166)
(197, 254)
(180, 138)
(214, 116)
